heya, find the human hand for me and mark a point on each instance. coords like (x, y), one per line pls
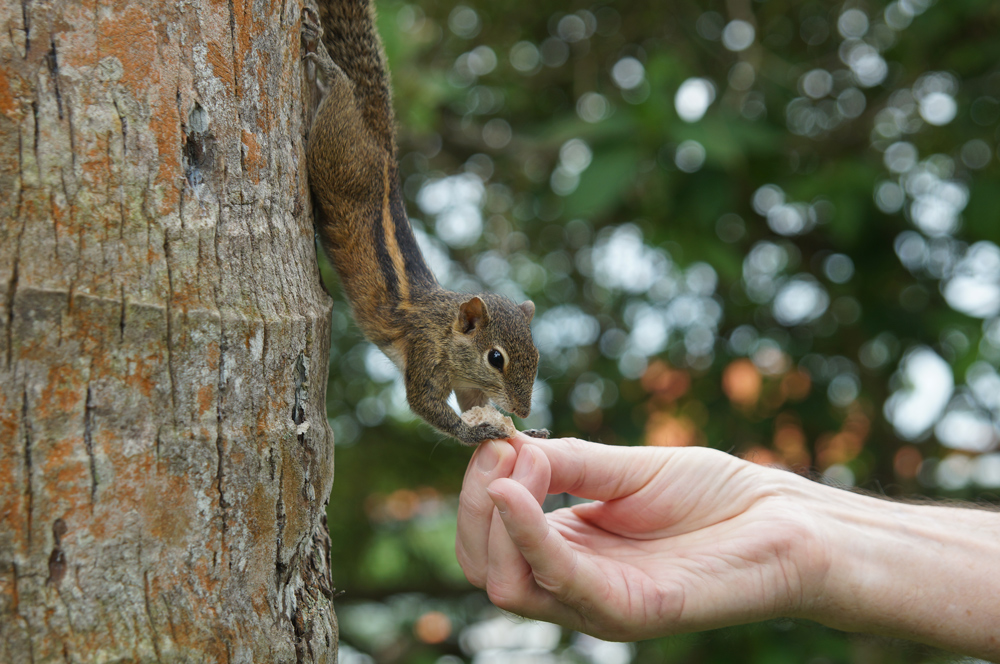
(679, 540)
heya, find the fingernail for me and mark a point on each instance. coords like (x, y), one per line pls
(525, 462)
(498, 500)
(487, 457)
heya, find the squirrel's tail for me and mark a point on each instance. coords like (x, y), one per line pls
(351, 39)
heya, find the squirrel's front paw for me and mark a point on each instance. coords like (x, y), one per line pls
(481, 433)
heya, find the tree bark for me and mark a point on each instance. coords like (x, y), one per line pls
(165, 458)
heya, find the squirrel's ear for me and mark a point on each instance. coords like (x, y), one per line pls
(528, 307)
(471, 315)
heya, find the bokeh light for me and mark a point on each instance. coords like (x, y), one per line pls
(693, 98)
(738, 35)
(927, 384)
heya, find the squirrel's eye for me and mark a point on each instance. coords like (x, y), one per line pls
(495, 359)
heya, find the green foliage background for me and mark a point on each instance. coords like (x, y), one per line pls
(806, 391)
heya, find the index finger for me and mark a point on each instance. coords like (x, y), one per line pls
(596, 471)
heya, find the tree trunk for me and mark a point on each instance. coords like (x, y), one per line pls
(165, 458)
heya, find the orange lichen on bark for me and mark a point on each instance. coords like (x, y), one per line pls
(11, 467)
(141, 374)
(243, 14)
(219, 61)
(253, 159)
(62, 394)
(206, 398)
(8, 106)
(96, 166)
(128, 35)
(168, 512)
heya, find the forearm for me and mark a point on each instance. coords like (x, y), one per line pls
(919, 572)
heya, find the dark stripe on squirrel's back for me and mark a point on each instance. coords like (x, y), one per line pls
(419, 275)
(382, 255)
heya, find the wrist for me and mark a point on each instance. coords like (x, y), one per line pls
(918, 572)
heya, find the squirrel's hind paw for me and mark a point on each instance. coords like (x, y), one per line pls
(312, 29)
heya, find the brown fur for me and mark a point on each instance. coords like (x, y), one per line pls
(440, 339)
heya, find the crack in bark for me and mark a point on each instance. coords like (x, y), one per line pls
(264, 342)
(254, 254)
(51, 59)
(170, 335)
(219, 443)
(121, 213)
(149, 616)
(121, 321)
(18, 192)
(124, 123)
(180, 205)
(12, 283)
(28, 470)
(34, 111)
(170, 619)
(26, 17)
(70, 199)
(301, 392)
(218, 228)
(11, 291)
(88, 442)
(280, 569)
(72, 152)
(108, 187)
(55, 226)
(236, 78)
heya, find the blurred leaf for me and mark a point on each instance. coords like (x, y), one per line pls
(609, 176)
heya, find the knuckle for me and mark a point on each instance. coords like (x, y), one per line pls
(502, 597)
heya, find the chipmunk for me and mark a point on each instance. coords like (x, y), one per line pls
(477, 345)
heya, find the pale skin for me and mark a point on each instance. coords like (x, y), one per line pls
(688, 539)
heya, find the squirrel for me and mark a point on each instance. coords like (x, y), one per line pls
(477, 345)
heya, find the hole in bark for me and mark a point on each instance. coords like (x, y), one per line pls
(199, 147)
(301, 390)
(59, 529)
(57, 567)
(57, 559)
